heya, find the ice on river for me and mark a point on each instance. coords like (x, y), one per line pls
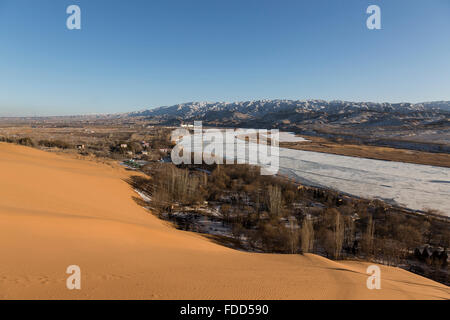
(409, 185)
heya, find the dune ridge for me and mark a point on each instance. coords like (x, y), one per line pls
(56, 211)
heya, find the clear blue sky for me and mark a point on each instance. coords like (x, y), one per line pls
(136, 54)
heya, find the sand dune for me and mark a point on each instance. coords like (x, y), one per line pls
(57, 211)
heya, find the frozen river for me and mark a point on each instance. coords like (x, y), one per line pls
(413, 186)
(409, 185)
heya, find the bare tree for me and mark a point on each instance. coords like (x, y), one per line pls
(307, 236)
(293, 236)
(349, 234)
(274, 200)
(368, 237)
(338, 232)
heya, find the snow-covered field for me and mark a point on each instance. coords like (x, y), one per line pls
(410, 185)
(289, 137)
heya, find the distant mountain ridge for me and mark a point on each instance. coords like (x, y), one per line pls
(260, 108)
(421, 126)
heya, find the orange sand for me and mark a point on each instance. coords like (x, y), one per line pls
(56, 211)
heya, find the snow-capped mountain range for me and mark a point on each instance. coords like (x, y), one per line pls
(419, 123)
(261, 108)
